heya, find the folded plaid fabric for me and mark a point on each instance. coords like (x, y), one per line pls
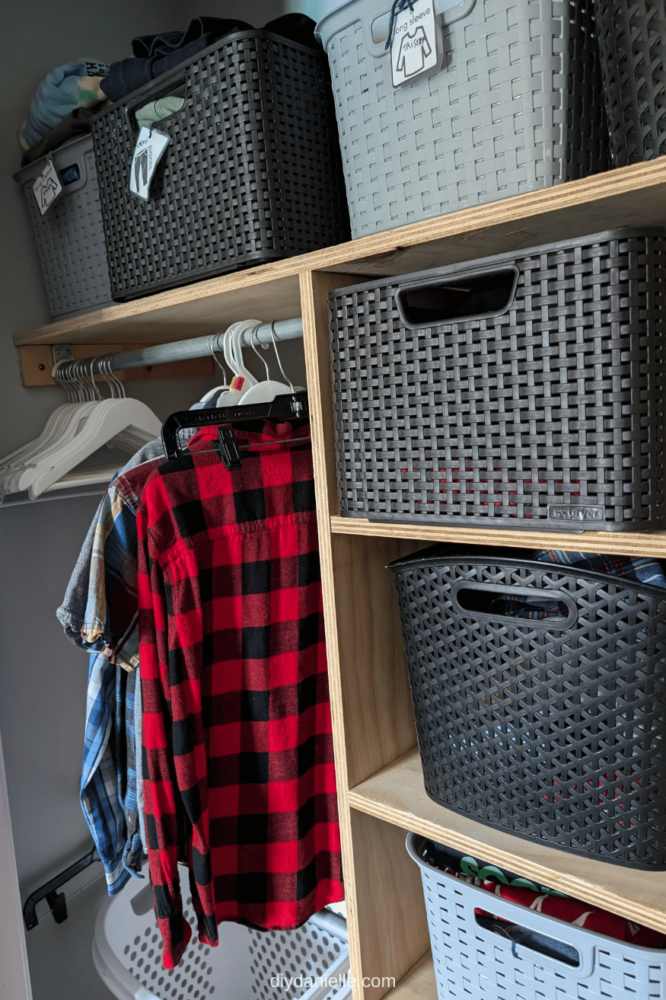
(641, 570)
(536, 897)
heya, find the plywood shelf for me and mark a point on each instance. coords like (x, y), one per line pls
(418, 984)
(617, 543)
(396, 795)
(636, 195)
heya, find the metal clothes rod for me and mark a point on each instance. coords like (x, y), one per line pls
(200, 347)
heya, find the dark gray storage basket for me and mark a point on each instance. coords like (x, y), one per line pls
(552, 729)
(542, 408)
(251, 174)
(517, 106)
(70, 236)
(632, 43)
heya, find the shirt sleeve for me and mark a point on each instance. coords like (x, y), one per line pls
(400, 66)
(163, 817)
(427, 48)
(100, 612)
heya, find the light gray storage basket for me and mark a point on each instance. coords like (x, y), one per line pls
(70, 237)
(516, 106)
(475, 963)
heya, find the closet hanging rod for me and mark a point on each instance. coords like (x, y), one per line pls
(199, 347)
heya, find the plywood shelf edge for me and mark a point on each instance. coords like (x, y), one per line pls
(575, 208)
(619, 543)
(396, 795)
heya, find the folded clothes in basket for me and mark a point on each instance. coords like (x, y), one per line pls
(642, 570)
(65, 88)
(155, 55)
(513, 887)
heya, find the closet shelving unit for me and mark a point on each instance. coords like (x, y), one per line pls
(381, 793)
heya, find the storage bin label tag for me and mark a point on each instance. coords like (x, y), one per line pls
(148, 152)
(47, 187)
(415, 46)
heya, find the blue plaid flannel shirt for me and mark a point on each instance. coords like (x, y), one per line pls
(640, 569)
(100, 615)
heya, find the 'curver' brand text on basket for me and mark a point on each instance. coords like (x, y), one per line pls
(569, 513)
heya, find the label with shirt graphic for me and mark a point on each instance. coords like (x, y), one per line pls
(415, 46)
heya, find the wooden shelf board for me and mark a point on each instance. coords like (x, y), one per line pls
(270, 292)
(418, 984)
(615, 542)
(634, 194)
(396, 795)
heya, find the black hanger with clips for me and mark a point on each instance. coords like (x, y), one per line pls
(286, 407)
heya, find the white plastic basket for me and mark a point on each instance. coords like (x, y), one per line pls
(475, 963)
(127, 952)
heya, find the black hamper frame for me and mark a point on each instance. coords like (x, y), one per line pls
(252, 172)
(553, 730)
(536, 403)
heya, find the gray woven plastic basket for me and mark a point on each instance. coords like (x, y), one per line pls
(475, 963)
(517, 106)
(251, 174)
(70, 236)
(550, 727)
(519, 391)
(632, 43)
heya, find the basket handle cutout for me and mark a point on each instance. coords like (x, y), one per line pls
(522, 937)
(174, 86)
(464, 899)
(441, 302)
(523, 607)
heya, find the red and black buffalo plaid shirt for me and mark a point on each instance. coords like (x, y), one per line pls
(238, 757)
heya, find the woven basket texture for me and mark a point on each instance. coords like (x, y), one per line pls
(632, 43)
(70, 235)
(251, 173)
(549, 414)
(516, 107)
(550, 729)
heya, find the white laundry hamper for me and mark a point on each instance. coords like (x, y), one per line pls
(127, 952)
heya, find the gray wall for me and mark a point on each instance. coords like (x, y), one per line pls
(43, 676)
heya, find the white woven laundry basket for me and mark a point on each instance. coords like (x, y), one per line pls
(127, 952)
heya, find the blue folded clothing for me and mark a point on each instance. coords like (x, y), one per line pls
(641, 570)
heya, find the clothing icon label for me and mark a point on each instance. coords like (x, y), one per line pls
(147, 154)
(414, 48)
(47, 187)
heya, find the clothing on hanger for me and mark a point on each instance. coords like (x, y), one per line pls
(239, 780)
(99, 614)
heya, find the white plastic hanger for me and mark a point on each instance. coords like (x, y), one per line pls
(218, 388)
(266, 391)
(110, 420)
(233, 355)
(57, 427)
(76, 430)
(63, 429)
